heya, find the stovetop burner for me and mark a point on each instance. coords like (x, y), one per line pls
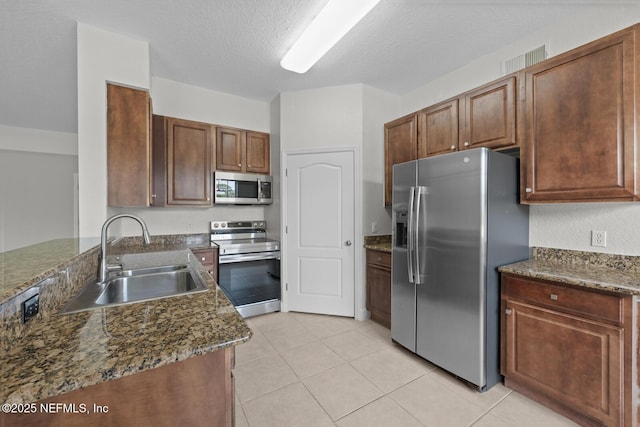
(238, 237)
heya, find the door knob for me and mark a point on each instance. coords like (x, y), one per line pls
(348, 243)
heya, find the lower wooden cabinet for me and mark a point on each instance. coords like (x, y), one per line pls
(570, 349)
(379, 286)
(195, 392)
(208, 257)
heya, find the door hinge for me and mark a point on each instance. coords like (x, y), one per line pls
(286, 229)
(286, 286)
(286, 172)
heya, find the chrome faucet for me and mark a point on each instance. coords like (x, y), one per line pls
(104, 267)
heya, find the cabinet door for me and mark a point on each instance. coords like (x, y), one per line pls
(490, 116)
(438, 129)
(573, 361)
(580, 123)
(400, 145)
(128, 146)
(258, 153)
(189, 146)
(209, 260)
(229, 148)
(379, 287)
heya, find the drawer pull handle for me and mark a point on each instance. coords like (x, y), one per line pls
(203, 258)
(507, 311)
(554, 297)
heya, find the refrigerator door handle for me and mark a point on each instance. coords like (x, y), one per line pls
(420, 191)
(410, 232)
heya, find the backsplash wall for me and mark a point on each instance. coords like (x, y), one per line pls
(569, 226)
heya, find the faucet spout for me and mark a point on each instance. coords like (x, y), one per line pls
(104, 267)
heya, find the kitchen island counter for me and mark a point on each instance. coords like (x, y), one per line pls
(59, 353)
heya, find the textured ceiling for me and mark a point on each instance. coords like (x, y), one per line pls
(235, 46)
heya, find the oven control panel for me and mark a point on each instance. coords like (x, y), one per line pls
(238, 225)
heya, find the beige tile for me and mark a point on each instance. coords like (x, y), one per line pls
(485, 400)
(324, 326)
(292, 405)
(375, 330)
(516, 409)
(391, 368)
(257, 347)
(270, 321)
(433, 404)
(262, 376)
(240, 418)
(310, 359)
(383, 412)
(288, 335)
(489, 420)
(341, 390)
(353, 344)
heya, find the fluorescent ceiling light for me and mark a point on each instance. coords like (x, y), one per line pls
(326, 29)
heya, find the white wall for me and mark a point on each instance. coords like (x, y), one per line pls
(102, 57)
(379, 107)
(175, 99)
(37, 170)
(566, 226)
(340, 117)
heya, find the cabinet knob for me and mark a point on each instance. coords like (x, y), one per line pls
(239, 164)
(248, 166)
(466, 144)
(453, 147)
(153, 196)
(528, 190)
(553, 297)
(507, 311)
(202, 259)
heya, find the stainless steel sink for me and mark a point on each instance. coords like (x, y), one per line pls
(151, 270)
(138, 285)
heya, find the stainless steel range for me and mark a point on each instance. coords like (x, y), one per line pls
(248, 266)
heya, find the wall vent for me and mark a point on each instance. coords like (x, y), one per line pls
(524, 60)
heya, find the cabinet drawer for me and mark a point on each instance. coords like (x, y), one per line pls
(378, 258)
(570, 300)
(205, 256)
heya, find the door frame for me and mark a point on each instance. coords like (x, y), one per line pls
(359, 309)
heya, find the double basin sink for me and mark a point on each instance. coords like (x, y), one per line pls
(137, 285)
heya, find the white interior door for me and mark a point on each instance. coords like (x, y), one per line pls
(319, 233)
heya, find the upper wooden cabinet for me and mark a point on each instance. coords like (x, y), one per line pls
(438, 129)
(400, 145)
(183, 155)
(129, 169)
(483, 117)
(239, 150)
(580, 114)
(490, 116)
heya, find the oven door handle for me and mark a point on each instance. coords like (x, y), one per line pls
(257, 256)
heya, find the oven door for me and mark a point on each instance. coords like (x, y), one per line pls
(248, 279)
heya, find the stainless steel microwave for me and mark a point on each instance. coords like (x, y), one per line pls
(242, 188)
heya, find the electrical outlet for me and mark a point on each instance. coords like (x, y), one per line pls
(30, 307)
(374, 227)
(598, 238)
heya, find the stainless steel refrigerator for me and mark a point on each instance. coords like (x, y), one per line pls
(456, 218)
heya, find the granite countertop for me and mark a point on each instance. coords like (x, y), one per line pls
(64, 352)
(607, 272)
(378, 243)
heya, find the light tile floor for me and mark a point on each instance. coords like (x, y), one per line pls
(313, 370)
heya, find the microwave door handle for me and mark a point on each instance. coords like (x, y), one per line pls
(410, 232)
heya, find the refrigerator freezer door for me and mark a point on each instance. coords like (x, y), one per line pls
(451, 235)
(403, 294)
